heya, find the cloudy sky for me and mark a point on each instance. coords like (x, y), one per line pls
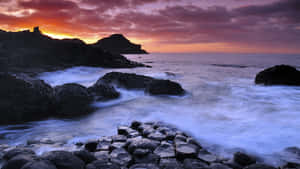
(248, 26)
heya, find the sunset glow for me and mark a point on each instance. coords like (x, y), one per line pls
(271, 26)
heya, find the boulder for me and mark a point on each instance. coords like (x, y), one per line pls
(243, 159)
(72, 99)
(39, 164)
(140, 82)
(24, 99)
(64, 160)
(91, 146)
(170, 163)
(18, 161)
(206, 156)
(164, 87)
(102, 91)
(142, 143)
(279, 75)
(85, 156)
(18, 151)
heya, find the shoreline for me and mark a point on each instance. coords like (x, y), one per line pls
(147, 145)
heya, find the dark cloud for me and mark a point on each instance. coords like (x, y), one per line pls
(272, 25)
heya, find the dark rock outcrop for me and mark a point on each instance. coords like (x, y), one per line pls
(279, 75)
(140, 82)
(117, 43)
(39, 164)
(31, 51)
(72, 99)
(23, 99)
(102, 91)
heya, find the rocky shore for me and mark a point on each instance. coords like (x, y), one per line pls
(151, 145)
(24, 98)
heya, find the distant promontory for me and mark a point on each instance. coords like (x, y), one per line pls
(117, 43)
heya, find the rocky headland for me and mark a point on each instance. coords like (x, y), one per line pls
(117, 43)
(151, 145)
(34, 52)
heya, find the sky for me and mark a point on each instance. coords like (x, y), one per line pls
(233, 26)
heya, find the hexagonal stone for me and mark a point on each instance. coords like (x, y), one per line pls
(170, 163)
(165, 150)
(194, 164)
(141, 152)
(149, 158)
(243, 159)
(120, 156)
(124, 130)
(117, 145)
(186, 151)
(135, 125)
(98, 164)
(102, 155)
(219, 166)
(157, 136)
(103, 145)
(119, 138)
(206, 156)
(142, 143)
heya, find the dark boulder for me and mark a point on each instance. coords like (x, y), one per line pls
(170, 163)
(39, 164)
(85, 156)
(165, 150)
(140, 82)
(194, 164)
(279, 75)
(144, 166)
(17, 151)
(243, 159)
(142, 143)
(91, 146)
(102, 91)
(184, 151)
(164, 87)
(18, 161)
(64, 160)
(121, 157)
(72, 99)
(24, 99)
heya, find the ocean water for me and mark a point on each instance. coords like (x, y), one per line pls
(223, 108)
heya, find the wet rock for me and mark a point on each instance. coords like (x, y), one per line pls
(24, 99)
(194, 164)
(135, 125)
(149, 158)
(85, 156)
(117, 145)
(124, 130)
(293, 150)
(102, 155)
(91, 146)
(170, 163)
(18, 151)
(243, 159)
(144, 166)
(206, 156)
(279, 75)
(141, 152)
(18, 161)
(104, 145)
(102, 91)
(121, 157)
(119, 138)
(72, 99)
(157, 136)
(165, 150)
(39, 164)
(164, 87)
(259, 166)
(219, 166)
(64, 160)
(148, 84)
(99, 164)
(186, 151)
(142, 143)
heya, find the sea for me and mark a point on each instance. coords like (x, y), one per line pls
(223, 108)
